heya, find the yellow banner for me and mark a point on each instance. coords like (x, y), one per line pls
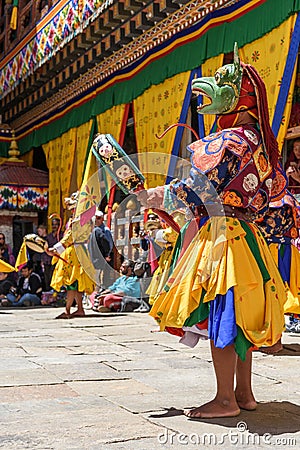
(154, 111)
(82, 140)
(268, 55)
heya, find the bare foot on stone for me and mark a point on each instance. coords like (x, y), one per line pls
(63, 316)
(246, 401)
(78, 314)
(214, 409)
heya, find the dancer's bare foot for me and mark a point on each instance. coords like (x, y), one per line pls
(246, 401)
(78, 314)
(273, 349)
(215, 408)
(63, 315)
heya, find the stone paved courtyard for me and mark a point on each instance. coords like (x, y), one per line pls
(111, 381)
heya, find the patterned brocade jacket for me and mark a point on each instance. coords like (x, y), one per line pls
(280, 223)
(230, 167)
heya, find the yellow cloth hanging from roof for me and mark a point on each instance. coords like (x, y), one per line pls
(52, 152)
(287, 112)
(154, 111)
(60, 160)
(110, 122)
(68, 147)
(268, 55)
(82, 141)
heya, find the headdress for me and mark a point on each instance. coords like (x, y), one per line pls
(71, 202)
(253, 99)
(268, 137)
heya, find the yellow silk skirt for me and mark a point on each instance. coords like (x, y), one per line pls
(66, 273)
(292, 304)
(161, 274)
(220, 258)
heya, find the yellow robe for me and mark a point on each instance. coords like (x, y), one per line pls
(219, 258)
(292, 304)
(77, 265)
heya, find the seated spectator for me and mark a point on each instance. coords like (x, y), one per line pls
(29, 289)
(292, 168)
(127, 285)
(5, 251)
(6, 286)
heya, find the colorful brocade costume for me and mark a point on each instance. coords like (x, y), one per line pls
(226, 286)
(72, 270)
(279, 226)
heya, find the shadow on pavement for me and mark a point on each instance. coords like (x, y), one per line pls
(272, 417)
(289, 350)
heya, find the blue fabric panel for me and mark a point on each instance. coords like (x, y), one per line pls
(284, 263)
(222, 328)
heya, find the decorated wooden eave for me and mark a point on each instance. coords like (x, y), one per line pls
(22, 188)
(115, 54)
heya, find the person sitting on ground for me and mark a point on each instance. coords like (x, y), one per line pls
(29, 288)
(6, 286)
(5, 251)
(127, 285)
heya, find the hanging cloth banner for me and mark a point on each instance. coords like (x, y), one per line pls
(154, 111)
(206, 122)
(182, 119)
(268, 55)
(287, 77)
(84, 139)
(24, 198)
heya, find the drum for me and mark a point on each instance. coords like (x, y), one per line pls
(36, 243)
